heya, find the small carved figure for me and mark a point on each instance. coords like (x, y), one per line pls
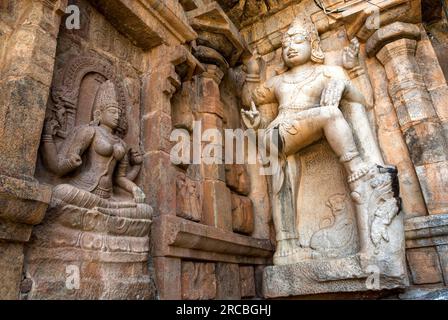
(336, 238)
(188, 199)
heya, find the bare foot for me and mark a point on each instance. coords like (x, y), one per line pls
(287, 247)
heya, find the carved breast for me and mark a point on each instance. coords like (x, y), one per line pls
(107, 146)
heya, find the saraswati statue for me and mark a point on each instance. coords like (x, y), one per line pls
(97, 219)
(94, 159)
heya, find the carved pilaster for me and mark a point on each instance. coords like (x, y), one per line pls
(27, 69)
(395, 47)
(216, 210)
(174, 65)
(219, 46)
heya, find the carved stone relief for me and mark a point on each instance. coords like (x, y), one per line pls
(332, 197)
(97, 213)
(189, 202)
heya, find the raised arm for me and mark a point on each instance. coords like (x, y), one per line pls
(69, 158)
(256, 97)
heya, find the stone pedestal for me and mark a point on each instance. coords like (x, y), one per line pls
(326, 276)
(426, 249)
(87, 254)
(364, 255)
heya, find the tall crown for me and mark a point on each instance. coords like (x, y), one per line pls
(302, 24)
(106, 96)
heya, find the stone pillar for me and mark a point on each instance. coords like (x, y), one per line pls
(29, 31)
(172, 65)
(395, 47)
(158, 174)
(158, 178)
(434, 77)
(392, 144)
(220, 46)
(216, 208)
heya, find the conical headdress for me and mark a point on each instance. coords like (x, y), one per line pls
(298, 26)
(303, 25)
(106, 96)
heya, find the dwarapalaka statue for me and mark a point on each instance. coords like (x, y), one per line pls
(310, 95)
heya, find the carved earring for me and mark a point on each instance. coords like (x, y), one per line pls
(317, 55)
(96, 118)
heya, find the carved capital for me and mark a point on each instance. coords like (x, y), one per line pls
(210, 56)
(213, 72)
(215, 30)
(24, 202)
(392, 33)
(396, 50)
(171, 69)
(185, 63)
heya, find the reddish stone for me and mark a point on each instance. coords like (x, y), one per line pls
(216, 207)
(198, 281)
(443, 255)
(158, 178)
(157, 129)
(247, 278)
(189, 198)
(242, 214)
(237, 178)
(425, 266)
(227, 281)
(168, 277)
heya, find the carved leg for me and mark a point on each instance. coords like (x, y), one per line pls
(80, 198)
(285, 214)
(340, 137)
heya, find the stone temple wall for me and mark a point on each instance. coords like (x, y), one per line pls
(208, 230)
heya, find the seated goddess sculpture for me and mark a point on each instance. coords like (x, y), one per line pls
(93, 159)
(309, 95)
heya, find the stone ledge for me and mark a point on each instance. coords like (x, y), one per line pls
(176, 237)
(23, 203)
(146, 22)
(426, 231)
(215, 28)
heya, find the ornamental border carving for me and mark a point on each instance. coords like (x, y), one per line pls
(65, 92)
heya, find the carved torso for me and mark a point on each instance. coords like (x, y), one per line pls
(99, 161)
(302, 92)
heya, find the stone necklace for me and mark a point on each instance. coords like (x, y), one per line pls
(302, 78)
